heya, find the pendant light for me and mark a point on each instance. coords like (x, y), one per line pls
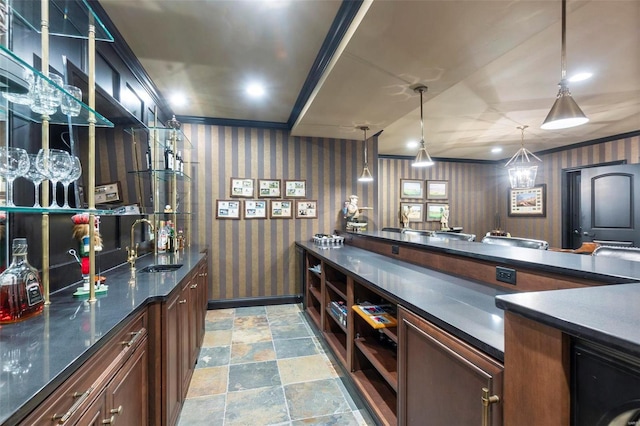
(423, 159)
(565, 112)
(366, 174)
(523, 171)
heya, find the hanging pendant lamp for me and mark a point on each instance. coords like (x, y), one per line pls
(565, 112)
(366, 174)
(523, 170)
(423, 159)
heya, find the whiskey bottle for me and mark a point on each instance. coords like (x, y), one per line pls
(20, 288)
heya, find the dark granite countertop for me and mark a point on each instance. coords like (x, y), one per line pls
(463, 307)
(606, 269)
(38, 354)
(605, 314)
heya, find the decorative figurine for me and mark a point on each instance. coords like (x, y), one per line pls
(404, 216)
(444, 219)
(353, 214)
(81, 234)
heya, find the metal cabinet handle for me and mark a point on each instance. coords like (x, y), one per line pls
(135, 335)
(62, 419)
(194, 286)
(109, 421)
(486, 403)
(116, 410)
(182, 301)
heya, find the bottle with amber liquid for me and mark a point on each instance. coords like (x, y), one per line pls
(20, 288)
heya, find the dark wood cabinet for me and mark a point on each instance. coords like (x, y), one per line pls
(442, 378)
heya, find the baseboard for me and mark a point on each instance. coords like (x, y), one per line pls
(253, 301)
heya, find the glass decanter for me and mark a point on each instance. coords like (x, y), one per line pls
(20, 288)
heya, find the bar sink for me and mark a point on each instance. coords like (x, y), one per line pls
(161, 268)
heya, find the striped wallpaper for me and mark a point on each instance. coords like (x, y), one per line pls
(256, 258)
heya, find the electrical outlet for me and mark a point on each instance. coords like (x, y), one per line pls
(395, 249)
(506, 275)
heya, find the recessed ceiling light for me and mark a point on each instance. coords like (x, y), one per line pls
(255, 90)
(412, 144)
(496, 150)
(177, 100)
(580, 76)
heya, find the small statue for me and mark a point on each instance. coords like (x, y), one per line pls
(351, 209)
(81, 234)
(444, 219)
(404, 216)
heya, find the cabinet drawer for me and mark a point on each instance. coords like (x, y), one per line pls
(79, 391)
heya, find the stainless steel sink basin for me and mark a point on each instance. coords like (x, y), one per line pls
(161, 268)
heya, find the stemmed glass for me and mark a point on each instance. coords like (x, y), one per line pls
(14, 162)
(55, 164)
(35, 176)
(74, 173)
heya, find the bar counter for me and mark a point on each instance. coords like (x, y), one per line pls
(38, 354)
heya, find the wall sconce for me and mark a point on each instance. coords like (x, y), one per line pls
(423, 159)
(565, 112)
(366, 174)
(522, 171)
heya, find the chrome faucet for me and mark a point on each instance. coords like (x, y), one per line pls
(132, 253)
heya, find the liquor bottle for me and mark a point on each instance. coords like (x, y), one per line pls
(20, 288)
(163, 237)
(180, 240)
(178, 162)
(149, 158)
(168, 156)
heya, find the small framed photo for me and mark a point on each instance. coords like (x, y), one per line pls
(306, 209)
(227, 209)
(242, 187)
(295, 188)
(269, 188)
(529, 202)
(410, 188)
(281, 209)
(434, 211)
(255, 209)
(414, 211)
(437, 190)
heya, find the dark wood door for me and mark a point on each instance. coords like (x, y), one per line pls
(610, 205)
(173, 369)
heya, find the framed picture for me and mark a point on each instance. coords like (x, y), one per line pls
(241, 187)
(414, 211)
(528, 202)
(410, 188)
(255, 209)
(269, 188)
(306, 209)
(295, 188)
(227, 209)
(434, 211)
(281, 209)
(437, 190)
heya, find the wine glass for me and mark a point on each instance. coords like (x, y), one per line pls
(14, 162)
(35, 176)
(55, 164)
(74, 173)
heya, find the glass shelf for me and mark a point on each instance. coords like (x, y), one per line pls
(161, 135)
(67, 18)
(12, 72)
(165, 175)
(21, 209)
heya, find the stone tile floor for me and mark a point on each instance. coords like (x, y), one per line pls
(264, 366)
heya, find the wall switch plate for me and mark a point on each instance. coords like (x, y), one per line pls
(506, 275)
(395, 249)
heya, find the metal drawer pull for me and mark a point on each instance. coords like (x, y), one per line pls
(133, 339)
(182, 301)
(194, 286)
(62, 419)
(202, 274)
(116, 410)
(486, 403)
(109, 421)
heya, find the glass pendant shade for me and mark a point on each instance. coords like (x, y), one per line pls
(423, 159)
(523, 166)
(565, 112)
(366, 175)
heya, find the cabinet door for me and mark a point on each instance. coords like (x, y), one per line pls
(127, 394)
(441, 378)
(185, 321)
(171, 353)
(95, 415)
(195, 313)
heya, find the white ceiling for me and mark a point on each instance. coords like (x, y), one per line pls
(489, 66)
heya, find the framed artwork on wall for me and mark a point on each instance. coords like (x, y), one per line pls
(414, 211)
(295, 188)
(529, 202)
(227, 209)
(255, 209)
(281, 209)
(306, 209)
(242, 187)
(269, 188)
(434, 211)
(411, 188)
(437, 190)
